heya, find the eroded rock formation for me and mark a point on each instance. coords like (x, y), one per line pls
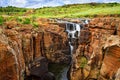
(26, 51)
(98, 52)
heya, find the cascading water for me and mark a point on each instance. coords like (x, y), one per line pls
(73, 32)
(71, 48)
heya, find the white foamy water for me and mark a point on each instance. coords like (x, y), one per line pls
(78, 29)
(71, 48)
(72, 29)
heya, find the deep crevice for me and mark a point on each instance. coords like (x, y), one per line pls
(34, 47)
(115, 32)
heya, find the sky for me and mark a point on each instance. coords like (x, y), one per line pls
(44, 3)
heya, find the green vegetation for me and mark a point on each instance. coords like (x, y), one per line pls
(19, 19)
(83, 62)
(1, 20)
(27, 21)
(35, 24)
(72, 11)
(79, 10)
(12, 11)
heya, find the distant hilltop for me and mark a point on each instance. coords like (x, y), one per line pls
(66, 11)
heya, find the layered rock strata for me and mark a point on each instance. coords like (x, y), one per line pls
(26, 51)
(97, 54)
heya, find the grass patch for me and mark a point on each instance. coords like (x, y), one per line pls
(27, 21)
(78, 10)
(1, 20)
(69, 11)
(83, 62)
(19, 20)
(35, 24)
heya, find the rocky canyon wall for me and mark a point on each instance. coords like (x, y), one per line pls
(26, 51)
(98, 52)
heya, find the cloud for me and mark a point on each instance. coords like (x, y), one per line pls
(107, 1)
(41, 3)
(18, 3)
(4, 3)
(87, 1)
(47, 3)
(77, 1)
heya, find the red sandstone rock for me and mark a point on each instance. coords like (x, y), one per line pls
(101, 48)
(111, 62)
(12, 66)
(98, 44)
(21, 46)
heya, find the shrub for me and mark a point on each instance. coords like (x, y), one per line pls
(19, 19)
(26, 21)
(1, 20)
(83, 62)
(35, 25)
(33, 18)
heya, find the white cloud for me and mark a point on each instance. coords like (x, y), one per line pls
(107, 1)
(77, 1)
(88, 1)
(47, 3)
(18, 3)
(3, 2)
(41, 3)
(67, 1)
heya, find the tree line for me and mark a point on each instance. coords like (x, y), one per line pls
(12, 9)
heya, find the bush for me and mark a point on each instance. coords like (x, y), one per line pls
(19, 19)
(1, 20)
(26, 21)
(35, 25)
(83, 62)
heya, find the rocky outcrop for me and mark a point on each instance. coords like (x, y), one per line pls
(25, 51)
(97, 54)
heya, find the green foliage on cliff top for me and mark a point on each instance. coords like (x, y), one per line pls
(72, 11)
(79, 10)
(26, 21)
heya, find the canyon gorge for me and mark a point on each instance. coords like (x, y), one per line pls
(92, 52)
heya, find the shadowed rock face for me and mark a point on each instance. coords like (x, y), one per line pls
(25, 52)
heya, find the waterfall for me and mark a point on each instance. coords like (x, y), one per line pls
(78, 29)
(64, 73)
(71, 48)
(70, 29)
(86, 21)
(73, 32)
